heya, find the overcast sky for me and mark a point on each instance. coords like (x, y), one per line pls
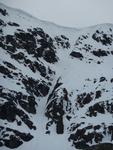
(71, 13)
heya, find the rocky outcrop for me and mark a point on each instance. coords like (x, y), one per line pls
(13, 138)
(63, 76)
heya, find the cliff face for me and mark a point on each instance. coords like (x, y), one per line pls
(55, 83)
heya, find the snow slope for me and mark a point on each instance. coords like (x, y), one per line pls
(56, 84)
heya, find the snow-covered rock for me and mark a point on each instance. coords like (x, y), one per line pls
(56, 84)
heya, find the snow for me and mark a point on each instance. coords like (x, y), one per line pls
(73, 73)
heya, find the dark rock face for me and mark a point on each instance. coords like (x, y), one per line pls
(84, 99)
(55, 106)
(98, 94)
(5, 71)
(29, 61)
(9, 110)
(3, 12)
(83, 134)
(76, 55)
(103, 38)
(27, 40)
(96, 108)
(82, 140)
(102, 79)
(9, 65)
(100, 53)
(49, 56)
(55, 110)
(36, 87)
(13, 24)
(104, 146)
(17, 106)
(13, 138)
(112, 80)
(100, 108)
(81, 39)
(2, 23)
(62, 41)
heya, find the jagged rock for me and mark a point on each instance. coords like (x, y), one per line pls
(39, 78)
(104, 146)
(84, 99)
(13, 138)
(76, 54)
(2, 23)
(100, 53)
(10, 65)
(8, 111)
(102, 79)
(62, 41)
(102, 38)
(13, 24)
(98, 94)
(3, 12)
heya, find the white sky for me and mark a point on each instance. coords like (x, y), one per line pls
(71, 13)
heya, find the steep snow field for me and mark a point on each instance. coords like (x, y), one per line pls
(56, 84)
